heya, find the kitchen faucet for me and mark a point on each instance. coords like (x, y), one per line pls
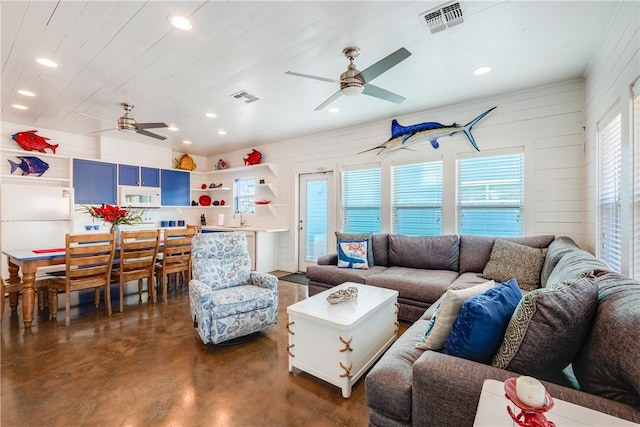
(242, 223)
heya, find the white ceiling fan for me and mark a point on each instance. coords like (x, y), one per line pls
(127, 123)
(354, 82)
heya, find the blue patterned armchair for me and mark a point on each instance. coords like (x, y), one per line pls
(227, 299)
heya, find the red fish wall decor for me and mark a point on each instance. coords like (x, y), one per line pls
(28, 140)
(253, 158)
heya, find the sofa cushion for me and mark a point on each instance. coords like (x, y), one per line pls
(548, 329)
(560, 246)
(389, 383)
(476, 250)
(439, 327)
(414, 284)
(512, 260)
(575, 264)
(333, 275)
(479, 328)
(358, 236)
(353, 254)
(425, 252)
(609, 363)
(381, 249)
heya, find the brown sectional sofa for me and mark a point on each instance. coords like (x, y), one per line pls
(408, 386)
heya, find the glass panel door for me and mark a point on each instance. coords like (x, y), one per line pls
(316, 215)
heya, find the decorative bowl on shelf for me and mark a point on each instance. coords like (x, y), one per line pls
(263, 202)
(204, 200)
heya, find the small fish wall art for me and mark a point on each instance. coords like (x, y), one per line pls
(185, 162)
(29, 165)
(401, 136)
(253, 158)
(29, 141)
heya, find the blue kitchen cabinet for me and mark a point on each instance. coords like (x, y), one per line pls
(175, 187)
(138, 176)
(94, 182)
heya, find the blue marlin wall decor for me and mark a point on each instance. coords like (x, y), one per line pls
(400, 135)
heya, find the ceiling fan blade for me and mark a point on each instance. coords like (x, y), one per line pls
(384, 64)
(151, 125)
(152, 135)
(378, 92)
(332, 98)
(308, 76)
(103, 130)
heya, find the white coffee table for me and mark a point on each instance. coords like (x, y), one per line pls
(492, 411)
(339, 342)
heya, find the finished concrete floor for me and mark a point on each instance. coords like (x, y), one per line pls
(148, 367)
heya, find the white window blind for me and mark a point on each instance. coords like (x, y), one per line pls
(609, 186)
(636, 178)
(490, 195)
(360, 200)
(416, 199)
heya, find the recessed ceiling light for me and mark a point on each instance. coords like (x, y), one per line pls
(46, 62)
(482, 70)
(222, 132)
(19, 107)
(26, 92)
(180, 22)
(173, 129)
(211, 115)
(186, 141)
(334, 110)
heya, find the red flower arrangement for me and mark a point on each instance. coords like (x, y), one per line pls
(113, 214)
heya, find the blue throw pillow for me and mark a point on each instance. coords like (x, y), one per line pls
(353, 254)
(479, 329)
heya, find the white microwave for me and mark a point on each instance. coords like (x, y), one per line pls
(139, 197)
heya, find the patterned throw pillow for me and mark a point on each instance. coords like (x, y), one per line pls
(479, 329)
(442, 320)
(548, 329)
(359, 236)
(511, 260)
(353, 254)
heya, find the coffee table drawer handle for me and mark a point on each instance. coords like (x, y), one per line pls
(347, 371)
(289, 347)
(397, 308)
(289, 329)
(347, 345)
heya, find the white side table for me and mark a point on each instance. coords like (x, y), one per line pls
(492, 411)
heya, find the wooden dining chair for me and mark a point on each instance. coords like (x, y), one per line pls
(88, 262)
(176, 256)
(14, 289)
(136, 261)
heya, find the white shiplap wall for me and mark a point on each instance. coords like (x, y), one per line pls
(548, 122)
(613, 69)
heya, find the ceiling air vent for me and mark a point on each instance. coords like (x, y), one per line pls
(442, 17)
(246, 96)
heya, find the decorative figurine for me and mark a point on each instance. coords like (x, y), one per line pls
(528, 388)
(400, 135)
(185, 162)
(28, 140)
(29, 165)
(253, 158)
(343, 295)
(221, 165)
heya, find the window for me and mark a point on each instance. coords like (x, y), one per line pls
(416, 199)
(360, 202)
(609, 187)
(490, 195)
(244, 190)
(636, 178)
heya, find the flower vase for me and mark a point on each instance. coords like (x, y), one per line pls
(115, 228)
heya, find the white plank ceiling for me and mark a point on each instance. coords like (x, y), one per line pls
(125, 51)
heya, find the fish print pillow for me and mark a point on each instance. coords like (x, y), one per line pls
(353, 254)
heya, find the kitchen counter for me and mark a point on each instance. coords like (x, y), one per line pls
(249, 228)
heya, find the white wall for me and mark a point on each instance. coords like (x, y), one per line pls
(613, 69)
(548, 122)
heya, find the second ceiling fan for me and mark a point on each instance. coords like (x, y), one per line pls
(354, 82)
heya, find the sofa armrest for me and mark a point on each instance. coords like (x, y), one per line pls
(441, 382)
(264, 280)
(330, 259)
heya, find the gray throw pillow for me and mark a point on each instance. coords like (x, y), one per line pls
(510, 260)
(548, 329)
(359, 236)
